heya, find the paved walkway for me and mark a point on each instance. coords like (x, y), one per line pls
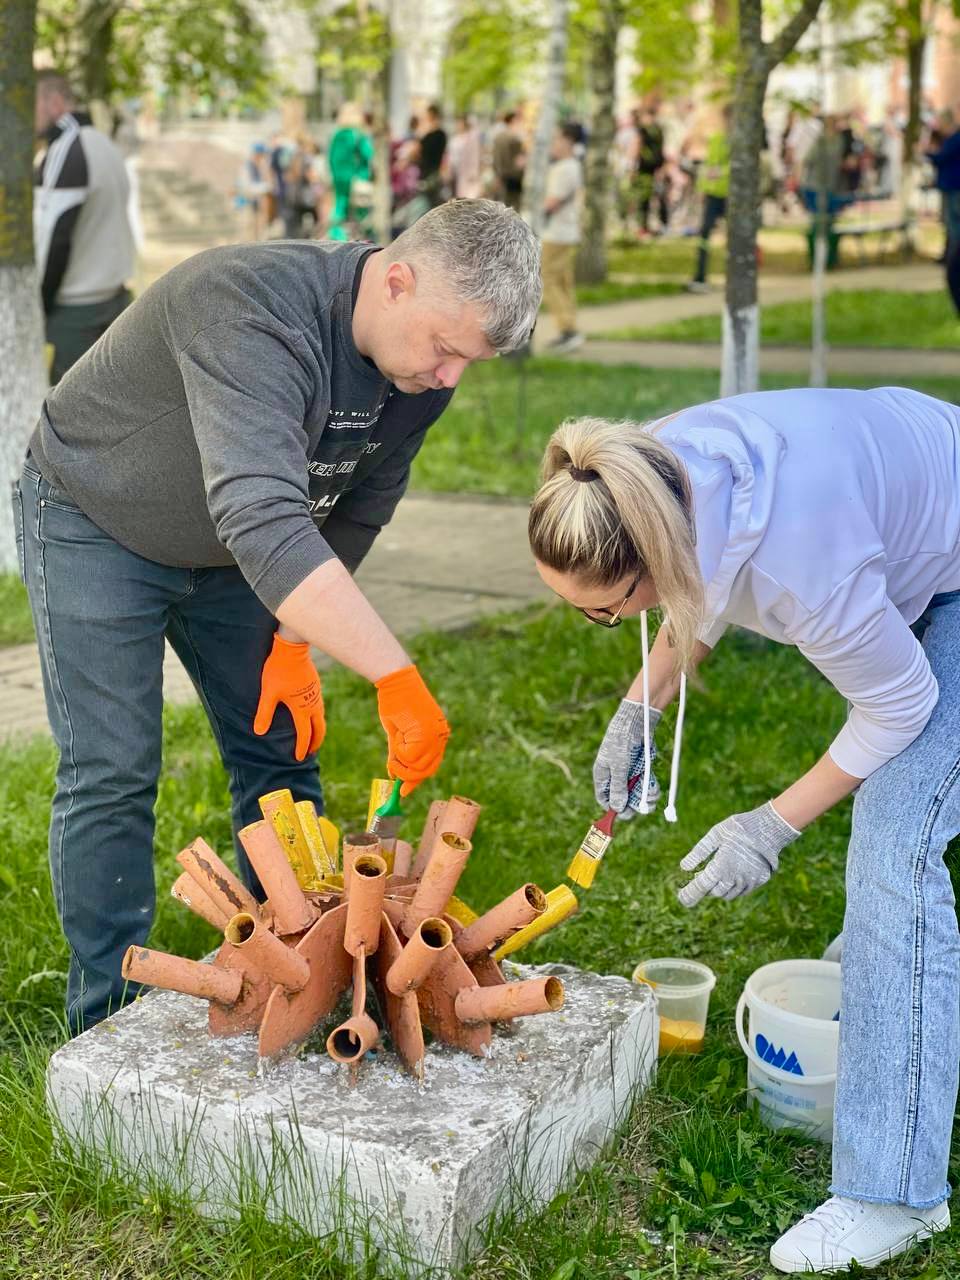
(440, 564)
(908, 277)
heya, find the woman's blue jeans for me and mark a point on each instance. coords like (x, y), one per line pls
(900, 1008)
(102, 614)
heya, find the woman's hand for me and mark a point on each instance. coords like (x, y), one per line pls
(621, 757)
(744, 851)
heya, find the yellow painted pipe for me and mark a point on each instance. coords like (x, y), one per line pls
(561, 903)
(279, 810)
(322, 856)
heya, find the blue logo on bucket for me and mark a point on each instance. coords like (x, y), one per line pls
(777, 1057)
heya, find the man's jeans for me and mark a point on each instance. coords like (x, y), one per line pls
(900, 1008)
(101, 614)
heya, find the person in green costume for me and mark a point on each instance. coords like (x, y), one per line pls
(351, 169)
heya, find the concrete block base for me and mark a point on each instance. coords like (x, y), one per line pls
(421, 1170)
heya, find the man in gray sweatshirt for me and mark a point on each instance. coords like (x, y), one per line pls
(213, 471)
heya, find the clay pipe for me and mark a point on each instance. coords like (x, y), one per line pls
(402, 859)
(278, 962)
(512, 1000)
(497, 924)
(176, 973)
(458, 815)
(217, 880)
(449, 857)
(412, 966)
(353, 1038)
(353, 845)
(188, 891)
(291, 911)
(278, 809)
(368, 882)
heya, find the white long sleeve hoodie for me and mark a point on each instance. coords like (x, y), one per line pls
(828, 520)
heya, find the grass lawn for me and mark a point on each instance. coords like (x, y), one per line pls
(696, 1186)
(491, 438)
(624, 290)
(867, 318)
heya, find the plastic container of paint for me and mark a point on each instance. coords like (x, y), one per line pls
(682, 988)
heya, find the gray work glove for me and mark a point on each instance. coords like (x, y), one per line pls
(744, 850)
(620, 758)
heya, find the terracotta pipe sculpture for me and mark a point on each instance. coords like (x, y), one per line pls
(188, 891)
(458, 815)
(412, 967)
(353, 845)
(324, 859)
(561, 904)
(278, 809)
(292, 912)
(368, 882)
(272, 957)
(284, 967)
(447, 861)
(501, 921)
(217, 880)
(512, 1000)
(175, 973)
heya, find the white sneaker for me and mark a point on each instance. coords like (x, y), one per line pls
(841, 1230)
(697, 286)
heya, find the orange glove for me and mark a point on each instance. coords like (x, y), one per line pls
(416, 728)
(291, 678)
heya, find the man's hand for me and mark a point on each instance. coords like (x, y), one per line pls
(416, 728)
(620, 758)
(744, 851)
(290, 677)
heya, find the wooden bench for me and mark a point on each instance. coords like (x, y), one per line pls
(893, 235)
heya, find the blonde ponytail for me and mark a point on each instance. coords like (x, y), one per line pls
(615, 502)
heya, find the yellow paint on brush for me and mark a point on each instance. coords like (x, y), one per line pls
(321, 847)
(279, 810)
(460, 912)
(380, 789)
(677, 1035)
(561, 903)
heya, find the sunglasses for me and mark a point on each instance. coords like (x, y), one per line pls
(611, 618)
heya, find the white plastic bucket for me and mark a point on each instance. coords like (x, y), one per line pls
(791, 1043)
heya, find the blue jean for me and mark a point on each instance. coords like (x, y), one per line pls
(101, 615)
(900, 1004)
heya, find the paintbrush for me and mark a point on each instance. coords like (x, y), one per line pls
(595, 844)
(386, 820)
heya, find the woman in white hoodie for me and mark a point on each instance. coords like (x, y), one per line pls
(829, 520)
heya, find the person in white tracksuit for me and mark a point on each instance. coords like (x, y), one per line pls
(829, 520)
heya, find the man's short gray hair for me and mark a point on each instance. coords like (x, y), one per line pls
(482, 252)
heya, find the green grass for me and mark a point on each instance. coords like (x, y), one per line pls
(491, 438)
(625, 290)
(696, 1186)
(16, 624)
(855, 318)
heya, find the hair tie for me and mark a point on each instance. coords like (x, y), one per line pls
(585, 475)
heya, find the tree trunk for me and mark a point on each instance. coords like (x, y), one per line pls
(96, 33)
(741, 327)
(909, 177)
(22, 375)
(592, 258)
(755, 60)
(535, 183)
